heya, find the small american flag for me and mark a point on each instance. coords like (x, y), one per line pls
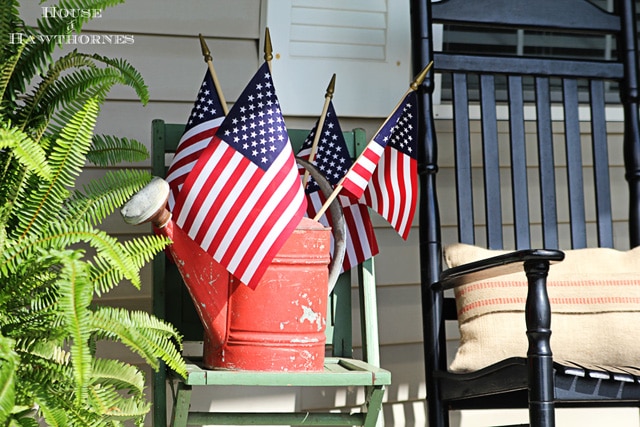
(244, 197)
(332, 159)
(205, 118)
(392, 190)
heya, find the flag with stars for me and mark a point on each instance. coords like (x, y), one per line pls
(392, 190)
(203, 122)
(244, 197)
(333, 160)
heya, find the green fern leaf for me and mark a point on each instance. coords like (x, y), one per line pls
(7, 68)
(8, 363)
(120, 375)
(46, 97)
(103, 196)
(25, 150)
(150, 338)
(14, 258)
(132, 77)
(141, 250)
(77, 85)
(8, 13)
(113, 407)
(66, 160)
(75, 296)
(108, 150)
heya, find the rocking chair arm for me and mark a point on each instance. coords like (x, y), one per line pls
(511, 262)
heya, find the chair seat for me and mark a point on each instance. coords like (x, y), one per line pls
(573, 382)
(338, 371)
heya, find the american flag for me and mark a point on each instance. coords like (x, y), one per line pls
(333, 160)
(203, 122)
(392, 190)
(244, 197)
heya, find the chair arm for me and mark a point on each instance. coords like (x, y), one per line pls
(511, 262)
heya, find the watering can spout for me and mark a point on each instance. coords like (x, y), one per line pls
(207, 281)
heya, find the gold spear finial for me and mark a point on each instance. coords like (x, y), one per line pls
(268, 49)
(420, 78)
(205, 49)
(332, 86)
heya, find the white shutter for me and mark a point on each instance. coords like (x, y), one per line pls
(366, 43)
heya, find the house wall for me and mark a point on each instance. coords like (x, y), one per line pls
(167, 53)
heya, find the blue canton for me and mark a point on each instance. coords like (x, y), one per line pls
(254, 126)
(332, 156)
(400, 131)
(207, 106)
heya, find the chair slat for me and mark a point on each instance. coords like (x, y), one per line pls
(520, 187)
(600, 152)
(464, 187)
(490, 152)
(546, 165)
(574, 163)
(527, 66)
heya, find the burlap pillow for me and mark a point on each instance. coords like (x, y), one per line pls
(595, 303)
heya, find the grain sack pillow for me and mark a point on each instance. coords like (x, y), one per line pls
(595, 304)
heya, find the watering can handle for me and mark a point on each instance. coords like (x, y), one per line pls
(339, 228)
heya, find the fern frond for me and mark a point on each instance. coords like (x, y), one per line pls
(8, 363)
(112, 405)
(120, 375)
(10, 47)
(55, 125)
(9, 14)
(66, 160)
(75, 86)
(108, 150)
(132, 77)
(151, 337)
(76, 292)
(45, 98)
(6, 71)
(25, 150)
(141, 250)
(103, 196)
(54, 416)
(61, 236)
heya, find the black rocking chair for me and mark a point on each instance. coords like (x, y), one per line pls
(517, 154)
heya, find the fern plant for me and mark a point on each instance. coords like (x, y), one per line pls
(53, 257)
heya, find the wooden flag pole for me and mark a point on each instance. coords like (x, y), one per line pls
(316, 138)
(268, 48)
(209, 60)
(413, 86)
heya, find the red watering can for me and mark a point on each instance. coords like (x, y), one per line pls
(279, 325)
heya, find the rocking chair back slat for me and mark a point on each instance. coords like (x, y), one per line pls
(520, 190)
(573, 151)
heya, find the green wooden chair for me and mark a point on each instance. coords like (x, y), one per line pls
(172, 302)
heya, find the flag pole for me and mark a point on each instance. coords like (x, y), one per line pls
(316, 138)
(209, 60)
(268, 48)
(413, 86)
